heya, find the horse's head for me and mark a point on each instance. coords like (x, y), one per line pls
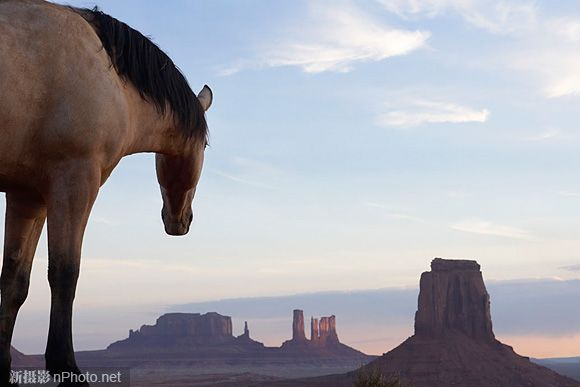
(178, 177)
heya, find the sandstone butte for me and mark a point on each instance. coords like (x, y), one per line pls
(323, 338)
(454, 343)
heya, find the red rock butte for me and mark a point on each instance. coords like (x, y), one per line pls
(323, 338)
(453, 298)
(454, 343)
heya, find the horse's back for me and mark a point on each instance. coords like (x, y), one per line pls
(58, 92)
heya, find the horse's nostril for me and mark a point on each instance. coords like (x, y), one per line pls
(190, 218)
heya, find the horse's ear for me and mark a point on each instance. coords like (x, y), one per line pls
(205, 96)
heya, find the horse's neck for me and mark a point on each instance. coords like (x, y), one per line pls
(149, 131)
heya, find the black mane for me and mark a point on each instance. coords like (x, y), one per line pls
(158, 80)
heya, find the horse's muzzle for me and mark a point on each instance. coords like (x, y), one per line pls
(176, 227)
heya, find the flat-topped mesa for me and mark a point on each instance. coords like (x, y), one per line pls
(182, 330)
(190, 324)
(21, 360)
(298, 334)
(440, 264)
(453, 298)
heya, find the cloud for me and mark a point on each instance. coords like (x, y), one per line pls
(543, 46)
(569, 194)
(243, 180)
(101, 220)
(549, 134)
(554, 63)
(488, 228)
(567, 28)
(431, 112)
(391, 213)
(417, 8)
(255, 165)
(550, 55)
(337, 38)
(573, 268)
(499, 17)
(252, 172)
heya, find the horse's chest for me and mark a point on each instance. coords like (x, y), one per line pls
(10, 183)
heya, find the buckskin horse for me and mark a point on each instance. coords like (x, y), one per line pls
(79, 90)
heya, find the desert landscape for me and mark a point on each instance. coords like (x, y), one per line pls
(453, 344)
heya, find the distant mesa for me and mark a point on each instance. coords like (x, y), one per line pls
(186, 332)
(204, 349)
(189, 336)
(20, 360)
(454, 343)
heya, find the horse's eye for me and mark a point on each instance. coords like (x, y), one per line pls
(206, 145)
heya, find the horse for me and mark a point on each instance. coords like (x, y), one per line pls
(79, 90)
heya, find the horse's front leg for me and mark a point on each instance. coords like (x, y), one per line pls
(70, 200)
(25, 216)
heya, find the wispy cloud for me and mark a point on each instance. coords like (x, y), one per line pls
(554, 64)
(549, 134)
(243, 180)
(571, 267)
(101, 220)
(254, 165)
(550, 55)
(422, 112)
(391, 213)
(152, 266)
(251, 172)
(496, 16)
(543, 46)
(568, 28)
(338, 37)
(477, 226)
(569, 194)
(456, 194)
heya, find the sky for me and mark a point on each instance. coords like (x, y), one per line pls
(351, 142)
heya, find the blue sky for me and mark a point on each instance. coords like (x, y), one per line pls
(351, 142)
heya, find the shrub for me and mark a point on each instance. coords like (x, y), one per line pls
(373, 377)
